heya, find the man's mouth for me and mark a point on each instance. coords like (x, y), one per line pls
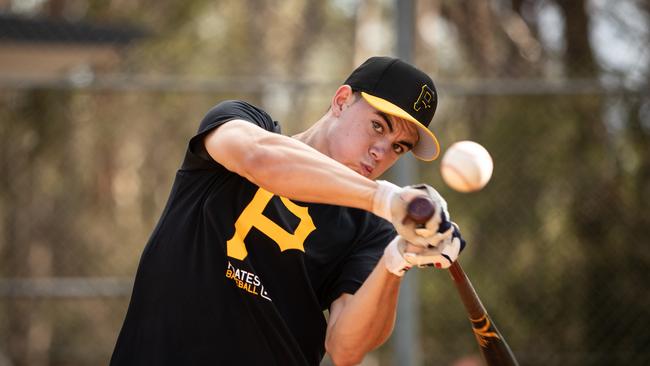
(366, 170)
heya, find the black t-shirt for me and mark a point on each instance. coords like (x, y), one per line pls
(235, 275)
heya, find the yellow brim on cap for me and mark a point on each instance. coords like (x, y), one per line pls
(427, 148)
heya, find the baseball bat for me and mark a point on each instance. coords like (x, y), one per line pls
(492, 344)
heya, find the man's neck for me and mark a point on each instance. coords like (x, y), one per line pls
(315, 136)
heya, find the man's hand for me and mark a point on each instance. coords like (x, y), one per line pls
(400, 255)
(440, 256)
(390, 202)
(394, 257)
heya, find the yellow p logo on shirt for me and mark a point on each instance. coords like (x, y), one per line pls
(253, 216)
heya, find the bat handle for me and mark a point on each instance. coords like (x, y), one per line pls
(467, 293)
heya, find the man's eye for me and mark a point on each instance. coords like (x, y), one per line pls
(377, 126)
(398, 148)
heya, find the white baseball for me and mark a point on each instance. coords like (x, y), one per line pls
(466, 166)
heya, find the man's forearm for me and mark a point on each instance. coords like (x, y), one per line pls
(367, 318)
(288, 167)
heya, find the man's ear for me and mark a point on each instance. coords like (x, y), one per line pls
(341, 99)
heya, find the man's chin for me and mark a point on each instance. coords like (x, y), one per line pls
(372, 175)
(365, 173)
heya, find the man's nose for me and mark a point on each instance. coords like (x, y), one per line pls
(378, 150)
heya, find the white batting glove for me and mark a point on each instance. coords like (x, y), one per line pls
(440, 256)
(400, 256)
(390, 202)
(394, 257)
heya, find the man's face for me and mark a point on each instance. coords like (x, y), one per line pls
(368, 141)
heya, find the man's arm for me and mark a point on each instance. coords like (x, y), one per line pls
(287, 167)
(362, 322)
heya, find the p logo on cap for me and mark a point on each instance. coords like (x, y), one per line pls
(425, 98)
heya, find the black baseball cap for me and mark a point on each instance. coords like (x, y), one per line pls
(397, 88)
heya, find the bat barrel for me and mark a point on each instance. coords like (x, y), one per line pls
(493, 346)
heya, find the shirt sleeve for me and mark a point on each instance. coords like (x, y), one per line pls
(196, 156)
(367, 252)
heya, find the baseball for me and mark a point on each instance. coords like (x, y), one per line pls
(466, 166)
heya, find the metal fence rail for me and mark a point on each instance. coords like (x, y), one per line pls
(57, 287)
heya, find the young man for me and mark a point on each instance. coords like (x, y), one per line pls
(263, 232)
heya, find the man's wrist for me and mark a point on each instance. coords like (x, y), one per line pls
(394, 260)
(381, 205)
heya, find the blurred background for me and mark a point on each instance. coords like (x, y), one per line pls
(98, 99)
